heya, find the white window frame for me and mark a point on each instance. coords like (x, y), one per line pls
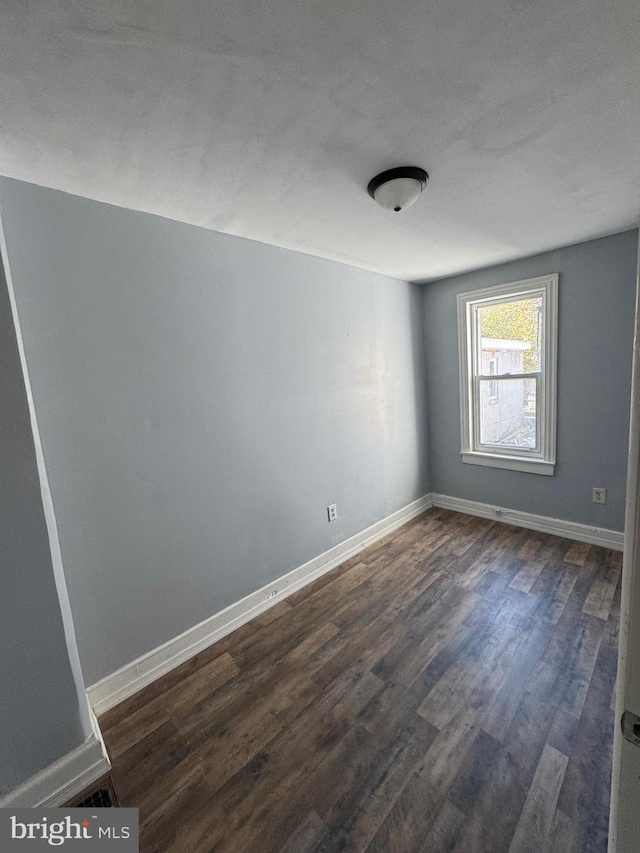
(493, 398)
(541, 459)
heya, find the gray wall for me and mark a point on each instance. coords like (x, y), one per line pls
(596, 308)
(40, 716)
(201, 399)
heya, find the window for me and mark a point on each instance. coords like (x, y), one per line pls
(507, 338)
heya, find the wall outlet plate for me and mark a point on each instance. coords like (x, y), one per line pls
(332, 512)
(599, 496)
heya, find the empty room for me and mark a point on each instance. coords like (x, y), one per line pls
(320, 426)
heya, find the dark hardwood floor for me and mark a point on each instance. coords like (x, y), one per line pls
(448, 689)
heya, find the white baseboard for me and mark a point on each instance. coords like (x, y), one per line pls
(61, 781)
(556, 526)
(119, 685)
(124, 682)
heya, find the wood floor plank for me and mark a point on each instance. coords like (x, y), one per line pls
(351, 691)
(472, 774)
(148, 760)
(292, 757)
(449, 694)
(538, 813)
(589, 757)
(311, 643)
(446, 755)
(263, 824)
(413, 815)
(531, 546)
(160, 687)
(580, 653)
(445, 830)
(537, 552)
(444, 625)
(527, 736)
(229, 703)
(562, 579)
(394, 699)
(447, 690)
(375, 798)
(522, 665)
(307, 836)
(187, 822)
(577, 553)
(336, 784)
(285, 821)
(563, 731)
(359, 647)
(612, 628)
(596, 829)
(492, 821)
(200, 684)
(162, 791)
(565, 835)
(136, 726)
(233, 746)
(598, 602)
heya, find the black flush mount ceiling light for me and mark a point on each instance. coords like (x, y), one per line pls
(397, 189)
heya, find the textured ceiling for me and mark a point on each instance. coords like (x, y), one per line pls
(267, 119)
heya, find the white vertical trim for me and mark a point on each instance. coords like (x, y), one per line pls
(624, 818)
(551, 371)
(465, 372)
(61, 781)
(49, 513)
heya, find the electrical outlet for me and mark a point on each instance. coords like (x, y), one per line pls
(332, 512)
(599, 496)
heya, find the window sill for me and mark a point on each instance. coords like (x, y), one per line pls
(494, 460)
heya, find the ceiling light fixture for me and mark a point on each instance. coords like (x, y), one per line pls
(397, 189)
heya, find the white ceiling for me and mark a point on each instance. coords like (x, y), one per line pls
(267, 118)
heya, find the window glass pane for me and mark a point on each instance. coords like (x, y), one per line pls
(510, 335)
(508, 413)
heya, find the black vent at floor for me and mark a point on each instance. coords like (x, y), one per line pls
(102, 796)
(100, 799)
